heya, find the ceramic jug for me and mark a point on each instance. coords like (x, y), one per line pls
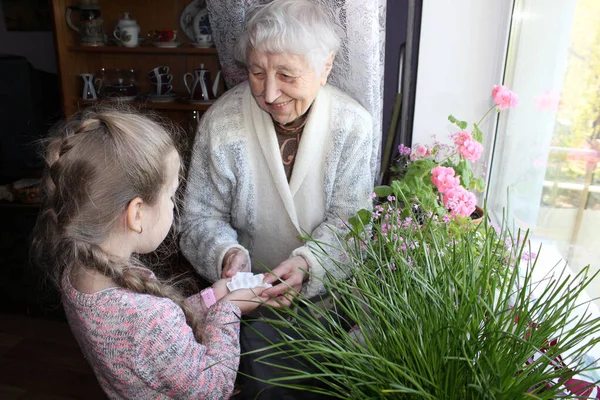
(200, 87)
(90, 26)
(127, 31)
(89, 92)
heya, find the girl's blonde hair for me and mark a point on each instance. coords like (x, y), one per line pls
(96, 163)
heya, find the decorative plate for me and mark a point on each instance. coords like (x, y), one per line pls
(120, 98)
(120, 44)
(167, 44)
(193, 101)
(187, 18)
(202, 45)
(161, 98)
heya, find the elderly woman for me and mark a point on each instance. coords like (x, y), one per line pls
(281, 156)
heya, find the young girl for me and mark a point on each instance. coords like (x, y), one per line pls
(107, 194)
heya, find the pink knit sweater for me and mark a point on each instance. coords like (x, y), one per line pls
(140, 346)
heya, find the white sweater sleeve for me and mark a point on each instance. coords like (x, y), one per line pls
(206, 231)
(350, 183)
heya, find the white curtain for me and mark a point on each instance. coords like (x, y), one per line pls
(359, 64)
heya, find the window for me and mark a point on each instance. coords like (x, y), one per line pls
(547, 149)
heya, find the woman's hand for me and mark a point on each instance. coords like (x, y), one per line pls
(291, 273)
(235, 261)
(246, 299)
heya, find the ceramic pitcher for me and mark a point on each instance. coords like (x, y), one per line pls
(89, 92)
(90, 26)
(200, 87)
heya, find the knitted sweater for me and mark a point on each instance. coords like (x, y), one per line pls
(238, 195)
(140, 346)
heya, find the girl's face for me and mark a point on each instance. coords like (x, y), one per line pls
(160, 216)
(284, 85)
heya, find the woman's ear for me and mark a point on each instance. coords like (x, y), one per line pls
(327, 69)
(134, 215)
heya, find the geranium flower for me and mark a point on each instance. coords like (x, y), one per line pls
(422, 151)
(433, 178)
(471, 149)
(459, 201)
(461, 137)
(443, 178)
(504, 98)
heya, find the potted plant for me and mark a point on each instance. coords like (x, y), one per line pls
(440, 309)
(440, 179)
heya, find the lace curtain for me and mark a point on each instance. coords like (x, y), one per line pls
(358, 66)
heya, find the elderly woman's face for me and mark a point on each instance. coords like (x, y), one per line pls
(284, 85)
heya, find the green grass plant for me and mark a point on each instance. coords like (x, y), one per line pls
(440, 311)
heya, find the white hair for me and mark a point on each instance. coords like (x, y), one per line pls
(289, 26)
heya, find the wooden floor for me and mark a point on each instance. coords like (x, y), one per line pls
(40, 359)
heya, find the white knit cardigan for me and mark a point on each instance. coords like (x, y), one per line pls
(237, 194)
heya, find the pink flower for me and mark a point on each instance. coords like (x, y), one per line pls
(470, 149)
(461, 137)
(526, 256)
(459, 201)
(443, 178)
(548, 100)
(421, 152)
(504, 98)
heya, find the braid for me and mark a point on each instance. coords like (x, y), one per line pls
(46, 238)
(96, 162)
(139, 281)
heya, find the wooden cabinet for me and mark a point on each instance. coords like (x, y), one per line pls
(75, 59)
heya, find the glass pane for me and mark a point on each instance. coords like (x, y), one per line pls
(548, 148)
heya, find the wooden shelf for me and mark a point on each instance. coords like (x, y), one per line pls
(74, 59)
(185, 49)
(178, 105)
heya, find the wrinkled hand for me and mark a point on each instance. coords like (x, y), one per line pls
(246, 299)
(291, 273)
(234, 261)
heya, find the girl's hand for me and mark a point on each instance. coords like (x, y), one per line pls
(235, 260)
(246, 299)
(220, 288)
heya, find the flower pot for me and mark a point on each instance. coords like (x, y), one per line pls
(477, 215)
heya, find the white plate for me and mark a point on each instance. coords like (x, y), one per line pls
(202, 45)
(161, 98)
(187, 16)
(120, 44)
(167, 44)
(192, 101)
(120, 98)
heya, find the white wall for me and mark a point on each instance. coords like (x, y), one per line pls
(461, 56)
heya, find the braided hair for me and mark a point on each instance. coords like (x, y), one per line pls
(97, 161)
